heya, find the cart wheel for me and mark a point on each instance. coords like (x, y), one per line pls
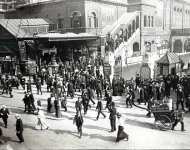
(165, 123)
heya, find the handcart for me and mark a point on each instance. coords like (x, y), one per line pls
(164, 114)
(164, 119)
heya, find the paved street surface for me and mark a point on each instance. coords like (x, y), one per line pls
(63, 133)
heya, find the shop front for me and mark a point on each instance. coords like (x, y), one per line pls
(170, 63)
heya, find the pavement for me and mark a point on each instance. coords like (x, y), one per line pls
(63, 133)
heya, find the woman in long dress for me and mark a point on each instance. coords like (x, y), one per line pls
(41, 123)
(121, 134)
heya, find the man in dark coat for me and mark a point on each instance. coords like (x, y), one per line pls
(108, 102)
(19, 128)
(99, 108)
(4, 112)
(39, 86)
(128, 99)
(78, 106)
(57, 108)
(178, 118)
(26, 101)
(180, 98)
(32, 101)
(78, 119)
(137, 81)
(112, 117)
(64, 102)
(85, 102)
(99, 89)
(90, 94)
(49, 104)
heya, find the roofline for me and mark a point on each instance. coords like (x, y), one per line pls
(58, 1)
(184, 2)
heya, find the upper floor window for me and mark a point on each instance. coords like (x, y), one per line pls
(76, 19)
(137, 22)
(60, 23)
(149, 21)
(175, 9)
(145, 21)
(92, 20)
(152, 21)
(133, 26)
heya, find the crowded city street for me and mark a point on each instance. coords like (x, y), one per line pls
(62, 133)
(94, 74)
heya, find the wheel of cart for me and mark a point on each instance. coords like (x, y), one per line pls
(163, 119)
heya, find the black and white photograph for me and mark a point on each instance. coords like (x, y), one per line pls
(94, 74)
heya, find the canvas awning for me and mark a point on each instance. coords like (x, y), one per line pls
(25, 28)
(69, 36)
(169, 58)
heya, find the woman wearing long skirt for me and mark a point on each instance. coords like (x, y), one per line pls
(41, 123)
(121, 135)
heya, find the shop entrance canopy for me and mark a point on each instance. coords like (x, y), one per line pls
(67, 36)
(169, 58)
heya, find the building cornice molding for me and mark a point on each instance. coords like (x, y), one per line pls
(58, 1)
(141, 4)
(182, 1)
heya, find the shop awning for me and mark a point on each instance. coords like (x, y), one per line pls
(67, 36)
(25, 28)
(169, 58)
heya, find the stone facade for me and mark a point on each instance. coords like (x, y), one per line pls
(91, 14)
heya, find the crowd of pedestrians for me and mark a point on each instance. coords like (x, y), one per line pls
(87, 83)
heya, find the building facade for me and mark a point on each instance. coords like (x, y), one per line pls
(132, 32)
(6, 6)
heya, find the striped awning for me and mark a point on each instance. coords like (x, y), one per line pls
(169, 58)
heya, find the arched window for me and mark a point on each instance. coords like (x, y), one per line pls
(177, 46)
(136, 47)
(137, 22)
(92, 20)
(129, 31)
(133, 26)
(76, 19)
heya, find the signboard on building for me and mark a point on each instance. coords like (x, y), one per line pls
(145, 71)
(22, 50)
(107, 69)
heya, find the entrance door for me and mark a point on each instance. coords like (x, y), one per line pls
(173, 71)
(145, 71)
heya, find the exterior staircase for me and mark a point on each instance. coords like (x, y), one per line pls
(124, 57)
